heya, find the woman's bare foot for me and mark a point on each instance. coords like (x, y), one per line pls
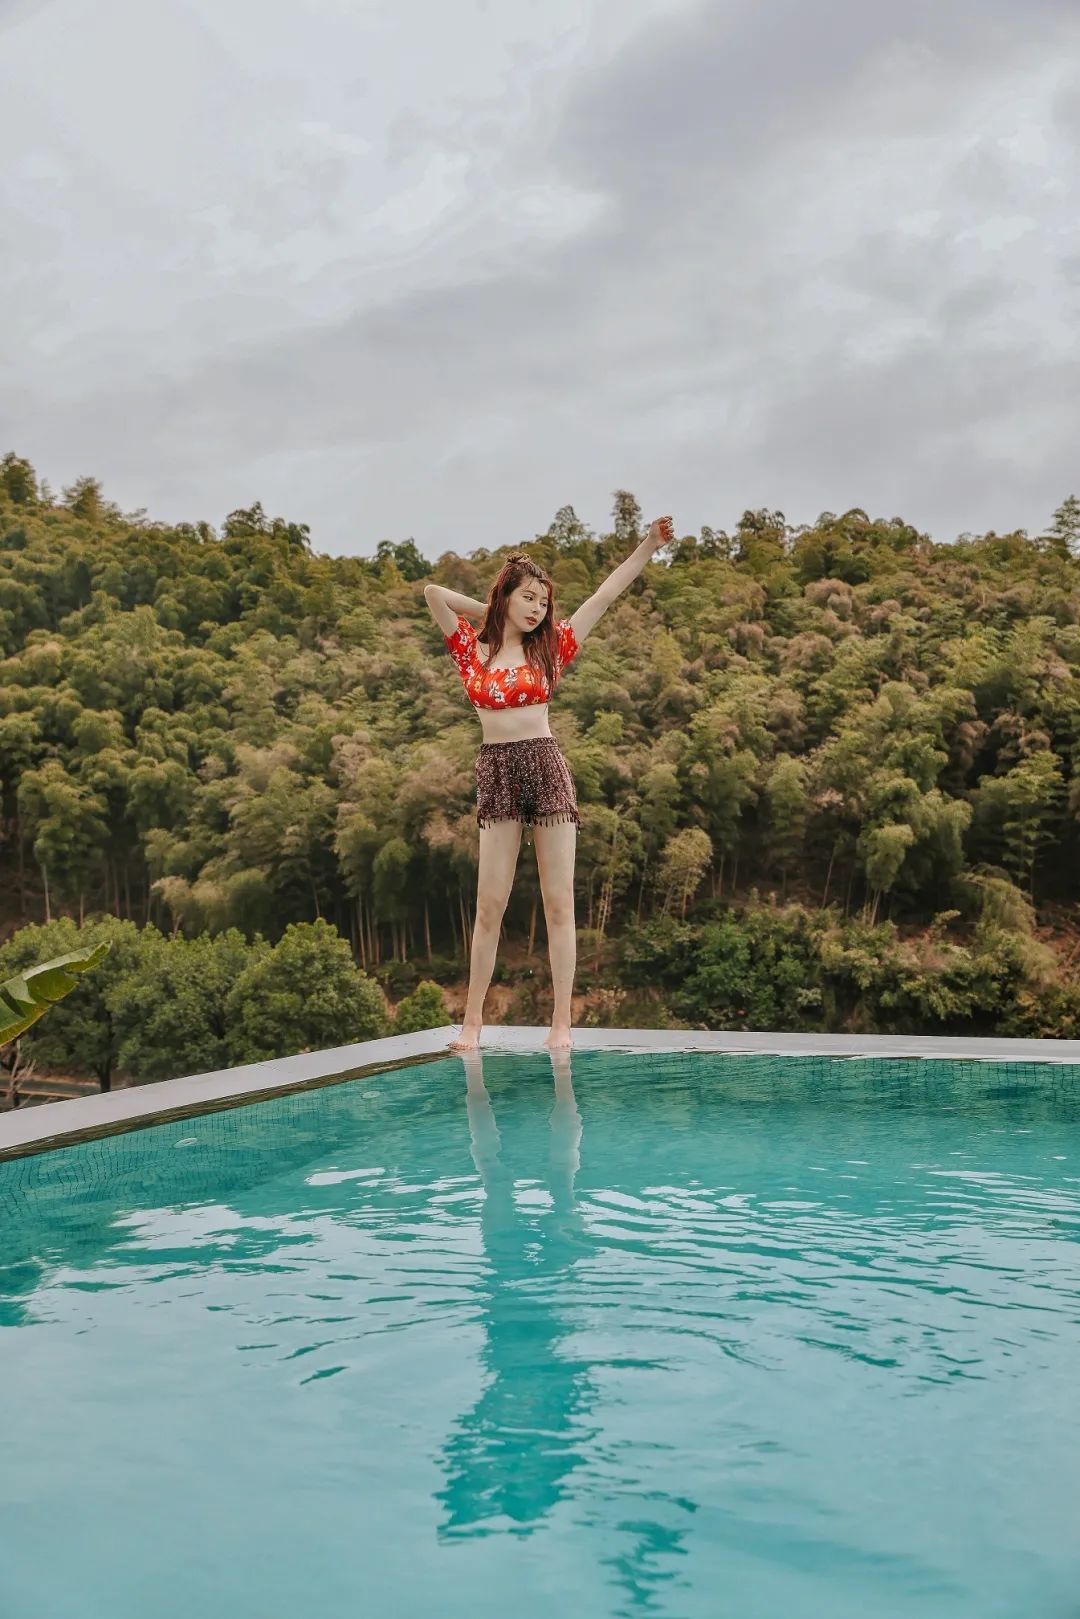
(558, 1037)
(467, 1040)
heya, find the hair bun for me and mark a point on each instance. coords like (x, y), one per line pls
(519, 556)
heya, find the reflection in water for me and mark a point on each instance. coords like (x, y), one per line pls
(510, 1456)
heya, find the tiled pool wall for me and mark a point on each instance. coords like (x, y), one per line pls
(31, 1132)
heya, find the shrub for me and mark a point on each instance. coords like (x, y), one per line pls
(425, 1008)
(306, 994)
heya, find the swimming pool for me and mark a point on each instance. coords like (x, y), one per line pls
(670, 1334)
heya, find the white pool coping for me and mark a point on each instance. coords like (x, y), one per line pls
(46, 1125)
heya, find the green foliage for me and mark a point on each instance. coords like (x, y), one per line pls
(28, 996)
(169, 1013)
(425, 1008)
(305, 994)
(79, 1036)
(755, 971)
(1063, 535)
(217, 730)
(786, 968)
(158, 1008)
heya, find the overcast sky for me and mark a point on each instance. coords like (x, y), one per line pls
(437, 269)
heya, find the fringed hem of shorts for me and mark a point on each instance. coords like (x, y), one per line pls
(526, 820)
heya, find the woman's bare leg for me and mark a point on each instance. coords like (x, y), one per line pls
(499, 846)
(556, 850)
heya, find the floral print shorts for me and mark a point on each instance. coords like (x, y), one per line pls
(528, 780)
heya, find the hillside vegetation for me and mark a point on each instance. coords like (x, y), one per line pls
(829, 775)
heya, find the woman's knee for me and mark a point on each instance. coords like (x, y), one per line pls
(490, 908)
(559, 907)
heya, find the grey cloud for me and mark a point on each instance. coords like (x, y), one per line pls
(723, 83)
(692, 343)
(920, 430)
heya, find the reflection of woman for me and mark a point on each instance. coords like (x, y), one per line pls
(510, 668)
(510, 1455)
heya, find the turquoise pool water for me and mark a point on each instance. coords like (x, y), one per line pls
(682, 1335)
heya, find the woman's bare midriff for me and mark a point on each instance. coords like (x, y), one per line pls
(514, 724)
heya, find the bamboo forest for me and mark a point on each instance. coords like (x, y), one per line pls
(828, 775)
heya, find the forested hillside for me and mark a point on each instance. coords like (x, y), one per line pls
(829, 775)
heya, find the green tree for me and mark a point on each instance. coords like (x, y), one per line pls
(68, 825)
(169, 1012)
(80, 1035)
(759, 970)
(883, 850)
(405, 557)
(788, 801)
(425, 1008)
(1063, 535)
(685, 860)
(304, 995)
(1018, 811)
(18, 480)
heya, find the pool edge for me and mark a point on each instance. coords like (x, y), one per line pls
(42, 1128)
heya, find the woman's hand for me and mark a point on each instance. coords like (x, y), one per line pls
(661, 532)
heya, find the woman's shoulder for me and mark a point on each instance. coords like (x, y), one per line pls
(566, 639)
(461, 643)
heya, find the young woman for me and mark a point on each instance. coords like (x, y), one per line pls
(510, 668)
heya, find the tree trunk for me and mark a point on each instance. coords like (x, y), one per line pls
(641, 891)
(828, 878)
(427, 927)
(603, 915)
(48, 905)
(532, 923)
(368, 925)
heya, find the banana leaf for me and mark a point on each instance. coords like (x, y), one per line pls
(27, 996)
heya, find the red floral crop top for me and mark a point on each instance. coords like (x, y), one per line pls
(505, 688)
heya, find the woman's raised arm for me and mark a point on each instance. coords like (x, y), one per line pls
(446, 604)
(608, 590)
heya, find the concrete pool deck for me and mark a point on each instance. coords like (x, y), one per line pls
(47, 1125)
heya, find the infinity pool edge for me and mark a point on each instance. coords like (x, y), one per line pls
(42, 1127)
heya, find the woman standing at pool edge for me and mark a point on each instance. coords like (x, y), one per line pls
(510, 667)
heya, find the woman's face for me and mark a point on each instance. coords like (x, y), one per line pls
(527, 604)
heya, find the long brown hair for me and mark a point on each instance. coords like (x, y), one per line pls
(541, 644)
